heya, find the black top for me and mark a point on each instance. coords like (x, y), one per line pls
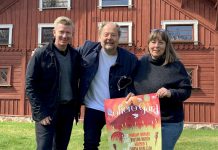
(152, 75)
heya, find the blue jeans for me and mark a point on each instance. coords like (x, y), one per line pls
(170, 134)
(94, 121)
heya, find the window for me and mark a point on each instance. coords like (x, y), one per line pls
(45, 33)
(192, 71)
(126, 32)
(114, 3)
(182, 30)
(52, 4)
(5, 75)
(6, 34)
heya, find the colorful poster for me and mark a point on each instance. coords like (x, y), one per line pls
(134, 124)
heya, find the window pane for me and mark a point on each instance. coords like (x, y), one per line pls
(180, 33)
(114, 2)
(124, 34)
(4, 36)
(54, 3)
(3, 76)
(47, 34)
(190, 74)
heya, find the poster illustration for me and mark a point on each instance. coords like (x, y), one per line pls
(134, 124)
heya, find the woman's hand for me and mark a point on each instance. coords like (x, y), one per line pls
(128, 96)
(163, 92)
(128, 100)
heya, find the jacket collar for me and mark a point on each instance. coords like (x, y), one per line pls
(119, 54)
(51, 48)
(119, 60)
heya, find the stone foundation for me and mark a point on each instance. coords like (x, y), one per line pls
(16, 119)
(187, 125)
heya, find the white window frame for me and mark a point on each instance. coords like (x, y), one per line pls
(10, 27)
(195, 75)
(40, 26)
(41, 8)
(129, 24)
(165, 23)
(100, 4)
(8, 82)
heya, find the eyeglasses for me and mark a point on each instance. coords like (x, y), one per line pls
(123, 82)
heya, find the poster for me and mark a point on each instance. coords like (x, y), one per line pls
(134, 124)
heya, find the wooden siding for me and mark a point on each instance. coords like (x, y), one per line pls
(12, 59)
(216, 83)
(145, 15)
(25, 16)
(9, 106)
(12, 97)
(200, 107)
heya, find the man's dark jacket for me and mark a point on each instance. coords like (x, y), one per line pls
(43, 80)
(125, 66)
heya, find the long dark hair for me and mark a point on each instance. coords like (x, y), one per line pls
(170, 53)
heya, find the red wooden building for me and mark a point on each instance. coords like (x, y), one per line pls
(193, 26)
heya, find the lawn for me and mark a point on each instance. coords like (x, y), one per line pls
(21, 136)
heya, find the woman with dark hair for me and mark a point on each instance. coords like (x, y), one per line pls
(161, 72)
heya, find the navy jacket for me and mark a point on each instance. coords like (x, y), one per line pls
(42, 80)
(124, 67)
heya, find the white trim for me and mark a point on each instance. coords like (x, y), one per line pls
(40, 26)
(40, 5)
(129, 24)
(195, 76)
(164, 23)
(10, 27)
(130, 4)
(41, 8)
(69, 5)
(100, 4)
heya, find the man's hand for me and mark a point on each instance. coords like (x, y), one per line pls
(46, 121)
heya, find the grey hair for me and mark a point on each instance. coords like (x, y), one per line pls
(103, 24)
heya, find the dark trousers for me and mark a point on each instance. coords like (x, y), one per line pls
(56, 136)
(94, 121)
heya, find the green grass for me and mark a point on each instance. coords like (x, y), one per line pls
(21, 136)
(17, 136)
(204, 139)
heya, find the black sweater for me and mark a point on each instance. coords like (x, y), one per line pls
(151, 76)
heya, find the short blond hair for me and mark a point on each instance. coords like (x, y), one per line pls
(63, 20)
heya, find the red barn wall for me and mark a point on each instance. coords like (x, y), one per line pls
(145, 15)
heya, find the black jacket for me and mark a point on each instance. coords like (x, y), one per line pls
(121, 72)
(42, 80)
